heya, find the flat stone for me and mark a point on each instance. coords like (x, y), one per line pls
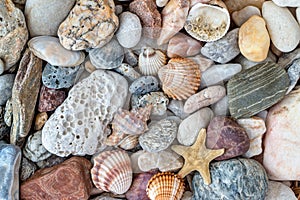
(4, 129)
(205, 97)
(144, 85)
(50, 99)
(287, 3)
(10, 159)
(280, 157)
(279, 191)
(204, 63)
(256, 89)
(221, 108)
(274, 16)
(69, 180)
(189, 128)
(241, 16)
(13, 34)
(40, 120)
(44, 17)
(6, 85)
(234, 178)
(223, 50)
(27, 169)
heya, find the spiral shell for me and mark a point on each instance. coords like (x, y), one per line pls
(150, 60)
(180, 78)
(165, 186)
(129, 142)
(112, 171)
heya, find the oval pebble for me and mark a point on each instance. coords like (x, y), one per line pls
(144, 85)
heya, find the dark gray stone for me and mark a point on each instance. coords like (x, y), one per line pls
(4, 129)
(235, 179)
(27, 169)
(59, 77)
(294, 74)
(130, 57)
(144, 85)
(10, 159)
(51, 161)
(6, 85)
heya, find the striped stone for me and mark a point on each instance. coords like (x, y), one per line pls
(256, 89)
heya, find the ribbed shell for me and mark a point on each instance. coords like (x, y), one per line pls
(180, 78)
(150, 60)
(129, 142)
(112, 171)
(165, 186)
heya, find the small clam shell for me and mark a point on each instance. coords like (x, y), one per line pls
(180, 78)
(165, 186)
(112, 171)
(150, 60)
(129, 142)
(208, 22)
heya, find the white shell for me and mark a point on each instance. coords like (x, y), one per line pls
(129, 142)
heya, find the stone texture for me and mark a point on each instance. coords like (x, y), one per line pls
(13, 34)
(256, 89)
(204, 63)
(176, 106)
(10, 159)
(221, 108)
(233, 179)
(27, 169)
(8, 113)
(144, 85)
(90, 24)
(224, 132)
(287, 59)
(6, 85)
(281, 141)
(241, 16)
(40, 120)
(285, 36)
(279, 191)
(4, 129)
(287, 3)
(128, 71)
(254, 40)
(189, 128)
(234, 5)
(246, 64)
(182, 45)
(24, 96)
(44, 17)
(50, 99)
(223, 50)
(85, 114)
(294, 74)
(130, 57)
(69, 180)
(205, 97)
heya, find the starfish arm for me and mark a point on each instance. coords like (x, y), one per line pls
(214, 154)
(185, 170)
(200, 139)
(179, 149)
(204, 171)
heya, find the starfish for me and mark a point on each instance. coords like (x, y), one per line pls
(197, 157)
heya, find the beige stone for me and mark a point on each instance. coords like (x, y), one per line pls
(234, 5)
(254, 40)
(40, 120)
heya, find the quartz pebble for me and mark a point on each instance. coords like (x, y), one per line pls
(221, 108)
(50, 99)
(279, 20)
(85, 114)
(144, 85)
(281, 141)
(68, 180)
(241, 16)
(6, 85)
(223, 50)
(232, 179)
(159, 136)
(287, 3)
(44, 17)
(27, 169)
(205, 97)
(204, 63)
(254, 40)
(4, 129)
(40, 120)
(128, 71)
(189, 128)
(279, 191)
(130, 30)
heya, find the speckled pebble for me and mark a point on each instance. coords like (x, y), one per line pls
(144, 85)
(6, 85)
(59, 77)
(4, 129)
(8, 113)
(50, 99)
(27, 169)
(128, 71)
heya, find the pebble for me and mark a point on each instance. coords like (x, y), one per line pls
(10, 159)
(50, 50)
(109, 56)
(241, 16)
(68, 180)
(204, 63)
(51, 161)
(217, 74)
(40, 120)
(221, 108)
(130, 57)
(27, 169)
(161, 3)
(254, 40)
(134, 157)
(118, 9)
(8, 113)
(233, 179)
(50, 99)
(144, 85)
(187, 195)
(2, 67)
(176, 107)
(128, 71)
(4, 129)
(88, 25)
(298, 14)
(294, 74)
(255, 128)
(256, 89)
(44, 17)
(85, 114)
(6, 85)
(279, 191)
(189, 128)
(224, 49)
(205, 97)
(13, 33)
(246, 64)
(280, 20)
(34, 150)
(130, 30)
(287, 3)
(182, 45)
(280, 157)
(234, 5)
(288, 58)
(224, 132)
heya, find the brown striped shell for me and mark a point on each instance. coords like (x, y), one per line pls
(180, 78)
(112, 171)
(150, 60)
(165, 186)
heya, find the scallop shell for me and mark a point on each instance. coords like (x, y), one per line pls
(180, 78)
(129, 142)
(208, 22)
(150, 60)
(112, 171)
(165, 186)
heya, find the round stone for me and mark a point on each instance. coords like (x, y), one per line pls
(144, 85)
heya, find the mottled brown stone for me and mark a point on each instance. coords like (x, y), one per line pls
(68, 180)
(50, 99)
